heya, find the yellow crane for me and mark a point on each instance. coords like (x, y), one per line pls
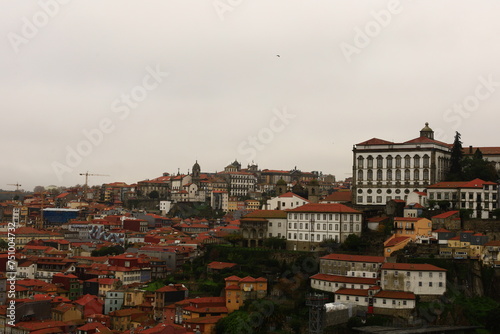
(87, 174)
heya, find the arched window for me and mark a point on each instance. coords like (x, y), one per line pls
(360, 162)
(389, 175)
(426, 174)
(426, 161)
(380, 161)
(407, 174)
(389, 161)
(398, 161)
(369, 175)
(416, 174)
(379, 175)
(398, 174)
(370, 161)
(360, 175)
(416, 161)
(407, 161)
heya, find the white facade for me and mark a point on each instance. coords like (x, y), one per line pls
(393, 303)
(331, 283)
(165, 207)
(285, 202)
(479, 196)
(240, 183)
(276, 227)
(384, 170)
(419, 279)
(317, 227)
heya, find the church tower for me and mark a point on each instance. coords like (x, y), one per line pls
(196, 173)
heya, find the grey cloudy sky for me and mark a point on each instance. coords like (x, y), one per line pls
(347, 71)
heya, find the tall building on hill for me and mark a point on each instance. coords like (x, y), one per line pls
(385, 170)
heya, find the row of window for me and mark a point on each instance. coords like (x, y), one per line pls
(324, 216)
(305, 237)
(463, 196)
(420, 273)
(397, 175)
(398, 159)
(378, 199)
(331, 227)
(356, 298)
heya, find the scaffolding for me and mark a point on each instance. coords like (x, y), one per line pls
(316, 303)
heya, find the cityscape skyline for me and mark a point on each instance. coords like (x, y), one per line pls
(282, 84)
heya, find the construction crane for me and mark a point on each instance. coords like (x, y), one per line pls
(87, 174)
(17, 185)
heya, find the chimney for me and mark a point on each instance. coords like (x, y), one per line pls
(470, 149)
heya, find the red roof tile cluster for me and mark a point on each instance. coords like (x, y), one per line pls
(345, 279)
(354, 258)
(445, 214)
(324, 208)
(411, 267)
(395, 295)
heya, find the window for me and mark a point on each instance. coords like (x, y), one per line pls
(398, 161)
(416, 161)
(419, 283)
(407, 161)
(416, 174)
(369, 175)
(389, 175)
(370, 161)
(389, 162)
(430, 284)
(379, 161)
(426, 161)
(360, 162)
(407, 174)
(379, 175)
(426, 174)
(398, 175)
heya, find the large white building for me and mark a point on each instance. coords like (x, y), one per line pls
(480, 196)
(421, 279)
(285, 201)
(385, 170)
(311, 224)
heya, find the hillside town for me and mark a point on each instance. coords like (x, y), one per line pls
(410, 241)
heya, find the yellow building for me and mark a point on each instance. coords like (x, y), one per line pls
(414, 227)
(66, 312)
(238, 290)
(394, 244)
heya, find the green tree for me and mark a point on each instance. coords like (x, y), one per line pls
(476, 167)
(455, 172)
(3, 244)
(353, 243)
(234, 238)
(275, 243)
(154, 194)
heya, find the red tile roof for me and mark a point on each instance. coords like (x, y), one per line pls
(395, 295)
(476, 183)
(220, 265)
(426, 140)
(375, 141)
(266, 214)
(411, 267)
(323, 207)
(354, 258)
(445, 214)
(345, 279)
(291, 194)
(441, 230)
(352, 292)
(339, 196)
(395, 240)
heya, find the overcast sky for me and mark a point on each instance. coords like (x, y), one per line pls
(170, 82)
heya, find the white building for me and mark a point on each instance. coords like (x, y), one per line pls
(385, 170)
(480, 196)
(332, 283)
(240, 183)
(310, 224)
(351, 265)
(285, 201)
(420, 279)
